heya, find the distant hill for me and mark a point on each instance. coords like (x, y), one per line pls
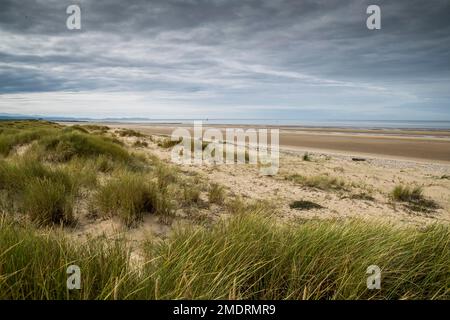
(8, 116)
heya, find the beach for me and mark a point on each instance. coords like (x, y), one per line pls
(413, 144)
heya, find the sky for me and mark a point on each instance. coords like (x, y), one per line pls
(240, 59)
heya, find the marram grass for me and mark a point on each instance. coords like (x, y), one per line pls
(245, 257)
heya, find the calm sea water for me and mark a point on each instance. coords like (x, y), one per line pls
(360, 124)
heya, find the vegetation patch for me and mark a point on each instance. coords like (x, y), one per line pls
(140, 144)
(413, 198)
(130, 133)
(304, 205)
(306, 157)
(244, 257)
(167, 143)
(95, 128)
(216, 194)
(322, 182)
(45, 195)
(362, 196)
(65, 146)
(129, 197)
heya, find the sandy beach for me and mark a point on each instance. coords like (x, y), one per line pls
(419, 145)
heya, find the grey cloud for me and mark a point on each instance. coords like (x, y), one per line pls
(294, 54)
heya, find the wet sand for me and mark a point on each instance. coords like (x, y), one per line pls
(426, 145)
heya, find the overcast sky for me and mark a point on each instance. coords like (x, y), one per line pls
(226, 59)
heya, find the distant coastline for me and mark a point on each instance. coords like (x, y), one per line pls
(286, 123)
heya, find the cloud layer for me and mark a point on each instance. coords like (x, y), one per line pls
(234, 59)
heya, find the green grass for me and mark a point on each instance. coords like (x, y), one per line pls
(165, 175)
(48, 202)
(245, 257)
(216, 194)
(45, 191)
(16, 133)
(33, 265)
(45, 194)
(78, 128)
(191, 195)
(414, 198)
(405, 193)
(167, 143)
(95, 128)
(129, 133)
(322, 182)
(129, 197)
(11, 140)
(65, 146)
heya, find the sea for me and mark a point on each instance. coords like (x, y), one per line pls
(354, 124)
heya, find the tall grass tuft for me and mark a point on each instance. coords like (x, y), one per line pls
(45, 194)
(216, 194)
(129, 197)
(48, 201)
(414, 198)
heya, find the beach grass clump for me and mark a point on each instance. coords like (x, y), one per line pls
(84, 173)
(406, 193)
(323, 182)
(130, 133)
(167, 143)
(140, 144)
(166, 175)
(45, 194)
(216, 194)
(130, 196)
(191, 195)
(48, 201)
(414, 198)
(306, 157)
